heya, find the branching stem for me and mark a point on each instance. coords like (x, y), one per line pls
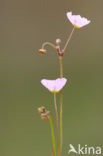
(61, 92)
(68, 39)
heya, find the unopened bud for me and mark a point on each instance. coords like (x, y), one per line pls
(41, 109)
(45, 116)
(42, 51)
(58, 41)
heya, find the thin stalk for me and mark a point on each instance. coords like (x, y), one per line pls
(57, 119)
(68, 39)
(53, 135)
(61, 106)
(48, 43)
(61, 66)
(61, 92)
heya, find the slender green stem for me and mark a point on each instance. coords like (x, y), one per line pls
(61, 92)
(53, 135)
(61, 106)
(61, 119)
(61, 66)
(68, 39)
(48, 43)
(57, 119)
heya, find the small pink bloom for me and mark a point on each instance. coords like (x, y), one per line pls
(54, 85)
(77, 20)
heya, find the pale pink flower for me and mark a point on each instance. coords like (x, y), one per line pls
(77, 20)
(54, 85)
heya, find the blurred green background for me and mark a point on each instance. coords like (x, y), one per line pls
(25, 25)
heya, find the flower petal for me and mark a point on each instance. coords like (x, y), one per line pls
(77, 20)
(54, 85)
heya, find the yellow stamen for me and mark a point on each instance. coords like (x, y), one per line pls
(54, 91)
(76, 26)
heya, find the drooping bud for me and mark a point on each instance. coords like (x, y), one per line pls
(45, 116)
(41, 109)
(42, 51)
(58, 41)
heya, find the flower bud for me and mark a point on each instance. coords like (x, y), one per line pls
(58, 41)
(42, 51)
(41, 109)
(45, 116)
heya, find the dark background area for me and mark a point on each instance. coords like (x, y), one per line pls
(25, 25)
